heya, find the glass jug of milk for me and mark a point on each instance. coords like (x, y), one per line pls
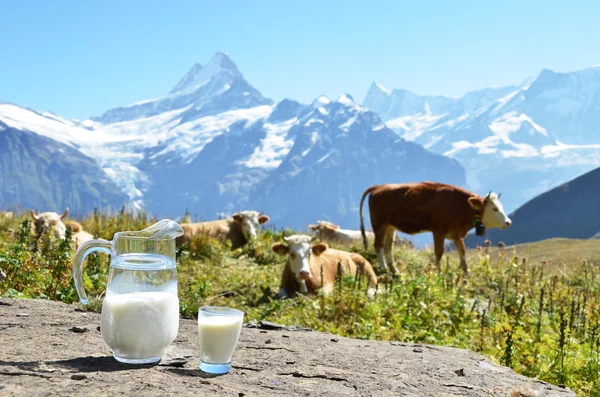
(140, 311)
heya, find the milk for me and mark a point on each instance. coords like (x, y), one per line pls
(218, 337)
(140, 325)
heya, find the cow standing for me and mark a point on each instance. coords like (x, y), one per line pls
(305, 262)
(445, 210)
(239, 229)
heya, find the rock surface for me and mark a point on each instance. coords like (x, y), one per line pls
(43, 354)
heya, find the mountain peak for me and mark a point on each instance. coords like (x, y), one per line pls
(379, 87)
(346, 99)
(321, 100)
(198, 74)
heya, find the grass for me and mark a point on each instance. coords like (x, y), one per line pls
(558, 253)
(519, 306)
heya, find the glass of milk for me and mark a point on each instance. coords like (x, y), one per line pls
(219, 329)
(140, 311)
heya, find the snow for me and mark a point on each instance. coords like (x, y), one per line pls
(511, 122)
(379, 127)
(548, 150)
(382, 88)
(323, 111)
(53, 128)
(520, 150)
(188, 139)
(346, 126)
(314, 138)
(500, 103)
(90, 124)
(490, 144)
(199, 75)
(143, 102)
(313, 121)
(321, 100)
(346, 100)
(450, 123)
(273, 147)
(319, 161)
(413, 126)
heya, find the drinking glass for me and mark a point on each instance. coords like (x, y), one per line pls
(219, 329)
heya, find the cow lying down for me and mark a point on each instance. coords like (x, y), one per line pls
(302, 271)
(239, 229)
(79, 235)
(332, 233)
(49, 221)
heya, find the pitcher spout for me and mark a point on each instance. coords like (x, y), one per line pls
(161, 230)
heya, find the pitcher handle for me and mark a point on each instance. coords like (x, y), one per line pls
(84, 250)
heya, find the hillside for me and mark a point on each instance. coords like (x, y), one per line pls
(422, 307)
(571, 210)
(558, 253)
(39, 173)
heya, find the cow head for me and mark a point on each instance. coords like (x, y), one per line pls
(300, 250)
(491, 210)
(250, 220)
(323, 229)
(50, 220)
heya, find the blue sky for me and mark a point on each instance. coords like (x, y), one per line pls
(80, 58)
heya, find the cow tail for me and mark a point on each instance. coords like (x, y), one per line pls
(362, 223)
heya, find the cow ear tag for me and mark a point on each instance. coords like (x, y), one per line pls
(479, 228)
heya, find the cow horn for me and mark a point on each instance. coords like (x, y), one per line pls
(499, 195)
(34, 216)
(64, 214)
(285, 238)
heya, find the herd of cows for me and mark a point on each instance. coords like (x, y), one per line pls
(447, 211)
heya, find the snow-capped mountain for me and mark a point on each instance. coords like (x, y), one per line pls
(215, 87)
(40, 173)
(214, 145)
(520, 140)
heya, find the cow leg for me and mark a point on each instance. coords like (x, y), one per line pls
(461, 249)
(379, 245)
(438, 244)
(390, 233)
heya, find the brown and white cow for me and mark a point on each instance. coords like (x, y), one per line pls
(302, 271)
(79, 235)
(49, 221)
(239, 229)
(332, 233)
(445, 210)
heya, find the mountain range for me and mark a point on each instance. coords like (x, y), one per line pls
(519, 140)
(214, 145)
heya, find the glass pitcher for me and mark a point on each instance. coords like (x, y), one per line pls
(140, 311)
